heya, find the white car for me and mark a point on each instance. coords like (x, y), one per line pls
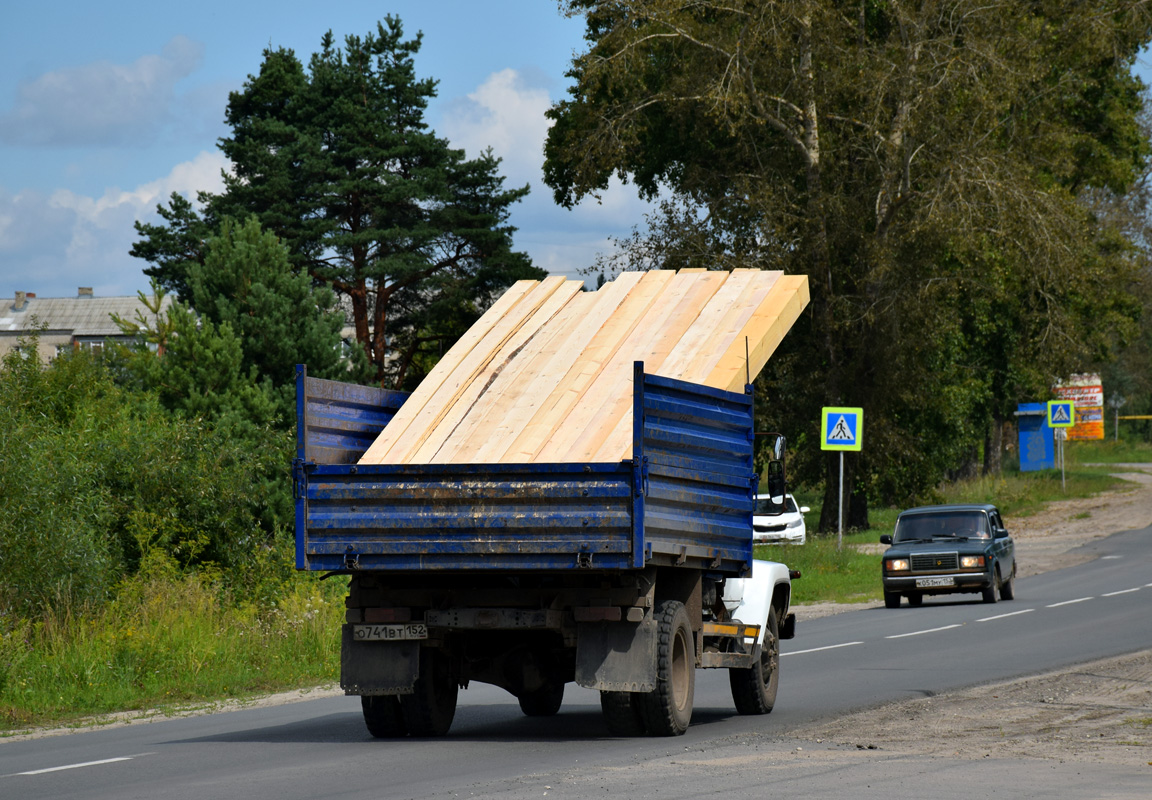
(786, 528)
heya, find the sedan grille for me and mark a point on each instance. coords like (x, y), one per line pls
(931, 562)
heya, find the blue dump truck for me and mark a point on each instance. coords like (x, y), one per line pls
(621, 577)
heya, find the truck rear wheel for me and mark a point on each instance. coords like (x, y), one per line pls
(383, 717)
(667, 709)
(622, 713)
(544, 702)
(429, 710)
(754, 688)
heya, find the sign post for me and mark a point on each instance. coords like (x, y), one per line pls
(841, 430)
(1061, 417)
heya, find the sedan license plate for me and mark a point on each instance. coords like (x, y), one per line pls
(928, 583)
(390, 633)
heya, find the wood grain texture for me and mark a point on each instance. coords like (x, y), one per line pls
(436, 378)
(546, 374)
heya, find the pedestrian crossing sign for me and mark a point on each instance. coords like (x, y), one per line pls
(1061, 414)
(842, 428)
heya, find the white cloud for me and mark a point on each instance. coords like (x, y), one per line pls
(51, 245)
(101, 103)
(507, 114)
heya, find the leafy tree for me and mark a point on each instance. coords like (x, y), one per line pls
(337, 161)
(96, 476)
(923, 163)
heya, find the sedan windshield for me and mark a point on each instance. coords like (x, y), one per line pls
(764, 505)
(972, 524)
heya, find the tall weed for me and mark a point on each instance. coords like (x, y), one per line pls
(168, 639)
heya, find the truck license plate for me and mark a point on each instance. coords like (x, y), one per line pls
(390, 633)
(927, 583)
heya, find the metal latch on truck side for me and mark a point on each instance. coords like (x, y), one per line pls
(298, 475)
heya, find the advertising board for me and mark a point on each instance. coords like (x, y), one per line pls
(1086, 391)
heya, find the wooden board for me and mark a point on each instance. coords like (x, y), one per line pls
(587, 365)
(442, 392)
(546, 374)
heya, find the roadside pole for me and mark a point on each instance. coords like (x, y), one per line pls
(841, 430)
(840, 507)
(1061, 417)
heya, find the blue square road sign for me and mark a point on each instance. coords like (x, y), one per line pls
(841, 428)
(1061, 414)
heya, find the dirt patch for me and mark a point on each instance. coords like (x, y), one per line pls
(1099, 712)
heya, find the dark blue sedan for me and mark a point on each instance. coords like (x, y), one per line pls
(947, 550)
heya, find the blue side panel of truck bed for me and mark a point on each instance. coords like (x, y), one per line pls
(684, 499)
(695, 446)
(336, 422)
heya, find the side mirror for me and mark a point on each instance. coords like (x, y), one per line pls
(778, 448)
(885, 538)
(804, 509)
(776, 477)
(1000, 533)
(777, 486)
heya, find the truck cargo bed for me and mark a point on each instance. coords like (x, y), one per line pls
(685, 497)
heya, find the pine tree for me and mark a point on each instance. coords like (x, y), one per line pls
(338, 162)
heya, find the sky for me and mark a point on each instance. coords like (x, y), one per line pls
(108, 108)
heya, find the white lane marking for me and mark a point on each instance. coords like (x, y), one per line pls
(1002, 616)
(930, 630)
(1122, 591)
(1069, 602)
(818, 649)
(1106, 558)
(76, 766)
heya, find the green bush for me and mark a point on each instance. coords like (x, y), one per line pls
(94, 477)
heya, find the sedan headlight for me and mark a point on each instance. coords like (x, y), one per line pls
(896, 565)
(971, 562)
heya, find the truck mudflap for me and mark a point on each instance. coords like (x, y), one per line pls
(377, 667)
(617, 656)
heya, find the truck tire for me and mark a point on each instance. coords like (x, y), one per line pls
(622, 713)
(429, 710)
(667, 709)
(754, 688)
(544, 702)
(383, 717)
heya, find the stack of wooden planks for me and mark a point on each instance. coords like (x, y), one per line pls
(545, 375)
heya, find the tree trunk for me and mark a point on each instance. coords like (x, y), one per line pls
(994, 446)
(857, 511)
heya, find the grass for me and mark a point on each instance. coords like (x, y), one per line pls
(166, 642)
(845, 575)
(828, 573)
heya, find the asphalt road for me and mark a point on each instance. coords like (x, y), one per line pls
(320, 748)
